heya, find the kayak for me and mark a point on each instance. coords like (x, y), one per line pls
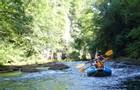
(92, 71)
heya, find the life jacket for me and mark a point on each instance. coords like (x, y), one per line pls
(100, 57)
(99, 64)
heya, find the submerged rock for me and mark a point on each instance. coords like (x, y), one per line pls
(58, 66)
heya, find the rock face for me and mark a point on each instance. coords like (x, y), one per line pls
(33, 67)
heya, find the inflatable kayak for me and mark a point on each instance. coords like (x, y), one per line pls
(92, 71)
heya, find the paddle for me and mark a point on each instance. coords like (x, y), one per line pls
(81, 66)
(109, 53)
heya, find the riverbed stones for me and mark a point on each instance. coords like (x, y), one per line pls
(33, 67)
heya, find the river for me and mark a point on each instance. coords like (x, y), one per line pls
(124, 77)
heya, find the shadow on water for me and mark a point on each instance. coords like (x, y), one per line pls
(124, 77)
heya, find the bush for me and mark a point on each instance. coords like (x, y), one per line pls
(74, 55)
(134, 47)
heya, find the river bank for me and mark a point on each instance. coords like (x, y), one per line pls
(57, 65)
(33, 67)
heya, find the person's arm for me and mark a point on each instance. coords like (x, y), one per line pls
(104, 59)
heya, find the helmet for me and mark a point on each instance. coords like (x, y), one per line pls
(99, 52)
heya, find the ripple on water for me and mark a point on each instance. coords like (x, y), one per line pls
(72, 79)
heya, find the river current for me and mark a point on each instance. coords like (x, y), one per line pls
(124, 77)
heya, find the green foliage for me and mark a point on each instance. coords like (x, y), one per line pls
(29, 26)
(82, 25)
(74, 55)
(119, 22)
(134, 47)
(9, 53)
(109, 24)
(15, 25)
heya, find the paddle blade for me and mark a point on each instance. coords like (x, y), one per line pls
(109, 53)
(82, 69)
(80, 65)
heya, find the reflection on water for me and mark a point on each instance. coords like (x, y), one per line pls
(11, 74)
(43, 84)
(72, 79)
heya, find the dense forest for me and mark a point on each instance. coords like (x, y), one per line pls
(30, 29)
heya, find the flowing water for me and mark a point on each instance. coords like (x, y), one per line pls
(124, 77)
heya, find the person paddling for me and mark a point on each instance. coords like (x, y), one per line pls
(99, 59)
(98, 62)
